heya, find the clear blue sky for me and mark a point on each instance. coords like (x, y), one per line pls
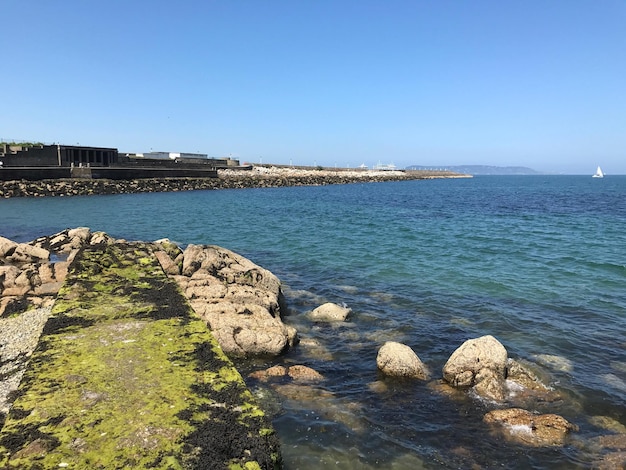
(538, 83)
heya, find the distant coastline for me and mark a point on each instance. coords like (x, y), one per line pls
(482, 169)
(253, 177)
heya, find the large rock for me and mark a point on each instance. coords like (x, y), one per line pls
(479, 363)
(65, 241)
(399, 360)
(6, 247)
(330, 312)
(527, 428)
(26, 253)
(240, 301)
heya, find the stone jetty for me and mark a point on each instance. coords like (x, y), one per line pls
(125, 373)
(256, 177)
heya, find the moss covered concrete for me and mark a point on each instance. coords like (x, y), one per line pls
(127, 376)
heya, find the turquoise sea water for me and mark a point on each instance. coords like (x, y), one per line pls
(539, 262)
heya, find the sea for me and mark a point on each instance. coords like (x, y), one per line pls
(538, 262)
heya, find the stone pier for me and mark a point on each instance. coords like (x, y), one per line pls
(126, 375)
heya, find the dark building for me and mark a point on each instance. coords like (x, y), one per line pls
(56, 155)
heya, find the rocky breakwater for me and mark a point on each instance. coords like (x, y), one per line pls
(257, 177)
(271, 176)
(125, 373)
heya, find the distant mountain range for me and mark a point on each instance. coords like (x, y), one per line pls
(480, 169)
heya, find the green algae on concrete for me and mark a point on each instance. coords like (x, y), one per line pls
(127, 376)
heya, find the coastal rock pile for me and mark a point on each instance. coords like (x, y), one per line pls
(90, 187)
(240, 301)
(29, 277)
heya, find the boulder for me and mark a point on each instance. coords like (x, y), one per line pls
(399, 360)
(6, 247)
(169, 266)
(330, 312)
(65, 241)
(78, 237)
(244, 329)
(8, 275)
(531, 429)
(10, 304)
(240, 301)
(479, 363)
(25, 253)
(101, 237)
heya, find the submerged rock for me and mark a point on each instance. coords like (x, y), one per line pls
(524, 388)
(399, 360)
(530, 429)
(297, 373)
(330, 312)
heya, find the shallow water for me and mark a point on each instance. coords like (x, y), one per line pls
(536, 261)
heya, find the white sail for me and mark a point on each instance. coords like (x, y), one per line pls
(599, 173)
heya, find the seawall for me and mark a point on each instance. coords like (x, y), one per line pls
(257, 177)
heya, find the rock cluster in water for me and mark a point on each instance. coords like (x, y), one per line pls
(258, 177)
(482, 366)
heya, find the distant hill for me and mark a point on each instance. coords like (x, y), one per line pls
(480, 169)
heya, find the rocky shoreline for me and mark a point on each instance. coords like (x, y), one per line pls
(241, 303)
(115, 332)
(256, 177)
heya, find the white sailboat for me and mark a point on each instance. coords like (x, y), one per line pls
(598, 173)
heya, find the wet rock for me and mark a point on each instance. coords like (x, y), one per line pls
(611, 461)
(524, 387)
(611, 441)
(608, 423)
(479, 363)
(557, 363)
(301, 373)
(297, 373)
(399, 360)
(314, 349)
(330, 312)
(530, 429)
